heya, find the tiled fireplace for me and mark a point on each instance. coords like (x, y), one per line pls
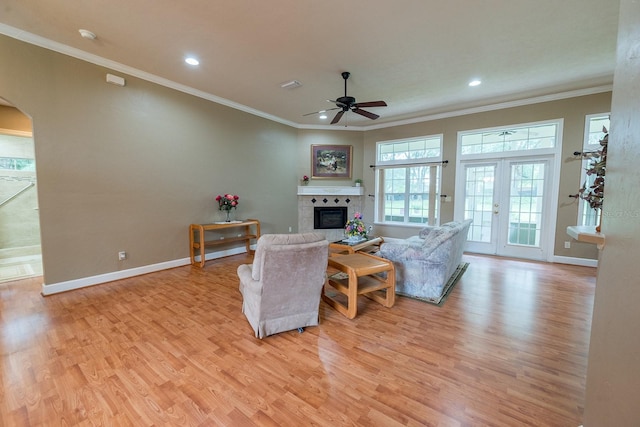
(310, 197)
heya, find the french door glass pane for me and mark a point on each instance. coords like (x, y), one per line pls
(525, 204)
(478, 204)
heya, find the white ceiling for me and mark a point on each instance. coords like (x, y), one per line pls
(417, 55)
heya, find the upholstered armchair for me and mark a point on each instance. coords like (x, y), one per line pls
(281, 289)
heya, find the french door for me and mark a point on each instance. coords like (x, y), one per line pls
(507, 199)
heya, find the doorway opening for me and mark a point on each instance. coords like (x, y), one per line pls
(20, 249)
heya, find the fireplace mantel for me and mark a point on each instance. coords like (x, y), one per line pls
(306, 190)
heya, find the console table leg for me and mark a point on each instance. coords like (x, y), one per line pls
(202, 259)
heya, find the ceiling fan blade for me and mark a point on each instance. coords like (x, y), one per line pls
(321, 111)
(371, 104)
(337, 118)
(365, 113)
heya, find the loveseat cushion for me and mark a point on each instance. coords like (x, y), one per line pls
(435, 234)
(436, 238)
(425, 232)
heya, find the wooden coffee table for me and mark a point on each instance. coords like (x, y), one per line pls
(361, 269)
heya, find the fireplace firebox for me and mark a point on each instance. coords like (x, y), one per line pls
(325, 218)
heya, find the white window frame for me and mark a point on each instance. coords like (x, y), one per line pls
(555, 162)
(435, 181)
(512, 153)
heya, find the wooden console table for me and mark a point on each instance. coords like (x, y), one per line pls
(197, 237)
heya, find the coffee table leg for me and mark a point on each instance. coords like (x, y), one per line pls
(340, 308)
(351, 309)
(352, 295)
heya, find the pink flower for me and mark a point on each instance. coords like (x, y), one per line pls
(227, 201)
(355, 226)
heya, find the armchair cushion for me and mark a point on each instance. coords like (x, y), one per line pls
(269, 240)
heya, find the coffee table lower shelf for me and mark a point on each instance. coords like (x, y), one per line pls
(362, 279)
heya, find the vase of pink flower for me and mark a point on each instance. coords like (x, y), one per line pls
(227, 202)
(304, 180)
(355, 229)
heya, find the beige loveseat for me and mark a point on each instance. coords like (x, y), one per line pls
(424, 263)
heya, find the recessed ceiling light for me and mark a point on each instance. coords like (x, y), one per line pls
(87, 34)
(475, 82)
(323, 116)
(191, 60)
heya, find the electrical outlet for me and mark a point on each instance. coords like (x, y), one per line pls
(122, 255)
(567, 245)
(290, 228)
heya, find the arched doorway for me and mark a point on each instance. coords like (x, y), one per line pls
(20, 250)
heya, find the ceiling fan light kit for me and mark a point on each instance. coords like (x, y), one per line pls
(348, 103)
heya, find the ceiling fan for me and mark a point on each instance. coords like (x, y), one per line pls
(346, 103)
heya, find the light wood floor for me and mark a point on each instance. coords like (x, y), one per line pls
(508, 348)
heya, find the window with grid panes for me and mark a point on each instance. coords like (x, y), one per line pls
(408, 180)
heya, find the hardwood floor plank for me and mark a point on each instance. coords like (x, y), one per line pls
(508, 347)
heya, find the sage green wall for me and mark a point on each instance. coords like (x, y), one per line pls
(572, 110)
(129, 168)
(307, 138)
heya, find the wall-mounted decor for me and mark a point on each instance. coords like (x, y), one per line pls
(331, 161)
(593, 188)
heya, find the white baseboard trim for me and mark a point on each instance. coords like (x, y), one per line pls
(70, 285)
(585, 262)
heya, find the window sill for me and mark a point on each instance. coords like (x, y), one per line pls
(586, 234)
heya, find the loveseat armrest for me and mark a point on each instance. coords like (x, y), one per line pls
(392, 241)
(401, 249)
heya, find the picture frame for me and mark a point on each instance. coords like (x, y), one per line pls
(331, 161)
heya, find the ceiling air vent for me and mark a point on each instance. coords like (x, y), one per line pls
(290, 85)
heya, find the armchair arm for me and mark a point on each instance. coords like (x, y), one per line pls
(246, 280)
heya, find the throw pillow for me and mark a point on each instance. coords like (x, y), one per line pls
(424, 233)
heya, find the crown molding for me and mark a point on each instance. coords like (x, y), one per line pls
(116, 66)
(498, 106)
(134, 72)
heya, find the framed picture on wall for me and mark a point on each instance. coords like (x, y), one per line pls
(331, 161)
